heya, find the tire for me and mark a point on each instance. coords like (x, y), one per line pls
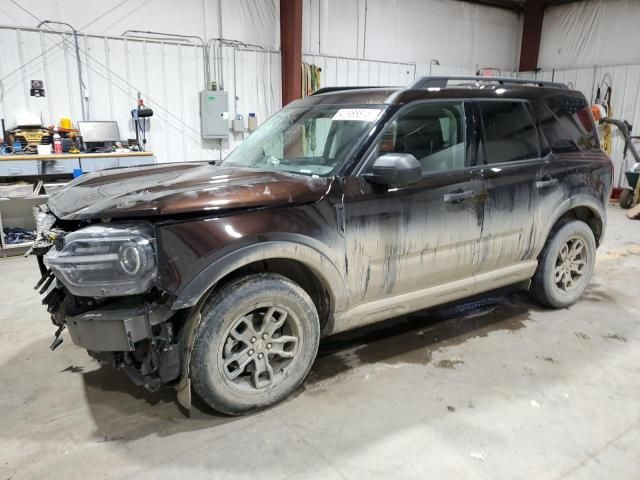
(555, 291)
(244, 356)
(626, 198)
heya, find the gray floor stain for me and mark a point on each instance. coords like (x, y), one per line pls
(614, 336)
(596, 295)
(549, 359)
(414, 338)
(449, 363)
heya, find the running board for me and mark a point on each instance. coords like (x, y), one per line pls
(404, 303)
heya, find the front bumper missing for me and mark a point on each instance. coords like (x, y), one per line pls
(137, 337)
(115, 328)
(134, 333)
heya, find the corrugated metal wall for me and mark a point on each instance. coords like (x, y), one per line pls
(168, 74)
(356, 72)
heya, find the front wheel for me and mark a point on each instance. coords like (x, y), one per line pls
(257, 340)
(565, 265)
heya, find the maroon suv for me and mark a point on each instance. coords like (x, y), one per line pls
(348, 207)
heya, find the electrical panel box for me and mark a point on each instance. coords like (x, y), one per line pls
(214, 115)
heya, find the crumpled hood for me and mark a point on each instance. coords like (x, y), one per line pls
(179, 188)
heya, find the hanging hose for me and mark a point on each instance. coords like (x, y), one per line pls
(623, 126)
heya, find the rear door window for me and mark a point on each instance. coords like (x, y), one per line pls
(566, 122)
(509, 131)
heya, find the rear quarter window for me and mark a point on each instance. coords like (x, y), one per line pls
(566, 123)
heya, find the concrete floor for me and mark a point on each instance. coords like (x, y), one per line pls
(495, 388)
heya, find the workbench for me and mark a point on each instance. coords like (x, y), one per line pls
(17, 200)
(21, 165)
(62, 156)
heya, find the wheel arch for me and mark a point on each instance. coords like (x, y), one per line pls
(292, 259)
(289, 257)
(585, 208)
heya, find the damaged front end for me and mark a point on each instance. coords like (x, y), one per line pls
(98, 283)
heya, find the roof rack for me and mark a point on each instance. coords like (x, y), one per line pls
(443, 82)
(340, 89)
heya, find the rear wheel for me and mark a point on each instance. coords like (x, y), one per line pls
(257, 341)
(565, 265)
(626, 198)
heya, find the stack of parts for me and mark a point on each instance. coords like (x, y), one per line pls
(13, 236)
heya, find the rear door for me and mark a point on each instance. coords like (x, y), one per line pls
(513, 169)
(425, 234)
(575, 167)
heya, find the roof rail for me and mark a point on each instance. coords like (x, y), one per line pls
(443, 82)
(340, 89)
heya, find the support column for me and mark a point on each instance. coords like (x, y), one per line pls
(531, 33)
(291, 48)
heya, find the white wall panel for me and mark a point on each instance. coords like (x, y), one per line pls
(443, 70)
(454, 32)
(337, 71)
(590, 33)
(168, 76)
(248, 20)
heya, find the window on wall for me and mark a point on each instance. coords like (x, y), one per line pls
(566, 123)
(432, 132)
(509, 132)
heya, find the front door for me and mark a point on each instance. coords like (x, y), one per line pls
(403, 239)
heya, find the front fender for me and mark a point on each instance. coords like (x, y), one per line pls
(194, 293)
(296, 247)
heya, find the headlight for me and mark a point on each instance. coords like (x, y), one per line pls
(106, 260)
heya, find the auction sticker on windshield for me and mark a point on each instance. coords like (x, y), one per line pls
(357, 114)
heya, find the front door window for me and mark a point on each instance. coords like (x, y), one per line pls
(432, 132)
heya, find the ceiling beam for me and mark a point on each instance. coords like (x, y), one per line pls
(517, 5)
(531, 34)
(551, 3)
(506, 4)
(291, 48)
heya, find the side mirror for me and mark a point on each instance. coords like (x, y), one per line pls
(399, 169)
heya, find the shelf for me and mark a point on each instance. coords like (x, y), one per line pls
(9, 246)
(63, 156)
(26, 197)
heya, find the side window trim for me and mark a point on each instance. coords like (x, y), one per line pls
(544, 145)
(370, 155)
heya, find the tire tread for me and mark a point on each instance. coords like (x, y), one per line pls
(230, 294)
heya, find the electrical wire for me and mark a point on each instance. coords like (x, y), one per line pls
(113, 73)
(123, 80)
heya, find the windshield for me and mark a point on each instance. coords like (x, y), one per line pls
(311, 140)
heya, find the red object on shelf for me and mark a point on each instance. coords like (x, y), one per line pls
(57, 142)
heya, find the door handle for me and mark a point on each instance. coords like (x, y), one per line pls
(458, 196)
(547, 182)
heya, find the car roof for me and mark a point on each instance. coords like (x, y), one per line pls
(469, 90)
